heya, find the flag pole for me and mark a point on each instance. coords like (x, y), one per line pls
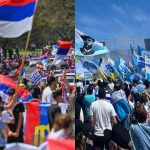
(25, 51)
(23, 59)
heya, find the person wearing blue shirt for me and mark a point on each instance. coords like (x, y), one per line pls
(87, 101)
(140, 131)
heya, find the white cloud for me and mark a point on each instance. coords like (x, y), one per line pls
(118, 9)
(119, 22)
(89, 20)
(141, 17)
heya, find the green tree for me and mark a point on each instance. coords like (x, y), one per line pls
(54, 19)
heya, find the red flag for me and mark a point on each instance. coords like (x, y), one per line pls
(16, 74)
(65, 44)
(61, 144)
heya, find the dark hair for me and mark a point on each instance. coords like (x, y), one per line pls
(62, 122)
(117, 87)
(11, 92)
(105, 84)
(130, 85)
(109, 79)
(57, 93)
(90, 90)
(0, 99)
(25, 81)
(80, 141)
(78, 89)
(50, 80)
(146, 83)
(101, 93)
(94, 80)
(140, 113)
(126, 86)
(98, 82)
(83, 83)
(102, 84)
(87, 82)
(77, 80)
(35, 91)
(135, 81)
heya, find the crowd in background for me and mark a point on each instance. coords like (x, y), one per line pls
(50, 90)
(112, 115)
(10, 59)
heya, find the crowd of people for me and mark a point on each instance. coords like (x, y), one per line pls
(11, 113)
(103, 114)
(10, 59)
(50, 90)
(112, 115)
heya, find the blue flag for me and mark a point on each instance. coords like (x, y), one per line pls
(109, 70)
(85, 65)
(142, 51)
(138, 61)
(121, 66)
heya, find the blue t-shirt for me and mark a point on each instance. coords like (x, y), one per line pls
(140, 134)
(87, 101)
(2, 140)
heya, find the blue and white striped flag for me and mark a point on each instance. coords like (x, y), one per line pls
(36, 77)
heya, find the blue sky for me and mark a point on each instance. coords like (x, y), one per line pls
(118, 21)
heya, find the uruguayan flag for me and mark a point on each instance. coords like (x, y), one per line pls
(36, 78)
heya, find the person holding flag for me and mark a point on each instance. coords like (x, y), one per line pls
(15, 131)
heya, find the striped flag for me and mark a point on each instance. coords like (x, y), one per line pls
(43, 57)
(63, 50)
(36, 77)
(7, 83)
(16, 17)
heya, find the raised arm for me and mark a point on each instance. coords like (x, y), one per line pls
(11, 104)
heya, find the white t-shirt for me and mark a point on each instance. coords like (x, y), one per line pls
(102, 111)
(47, 95)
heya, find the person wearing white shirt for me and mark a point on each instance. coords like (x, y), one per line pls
(103, 116)
(48, 91)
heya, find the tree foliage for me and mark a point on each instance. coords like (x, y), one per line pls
(54, 19)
